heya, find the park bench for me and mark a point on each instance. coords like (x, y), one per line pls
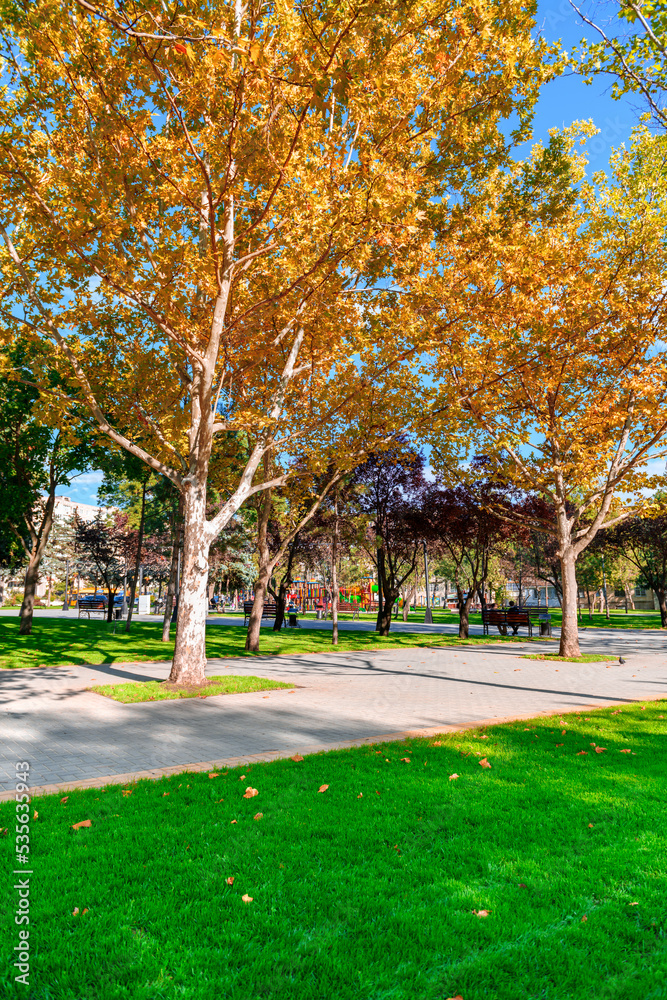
(349, 607)
(503, 618)
(268, 611)
(92, 606)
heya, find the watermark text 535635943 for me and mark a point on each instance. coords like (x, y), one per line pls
(24, 870)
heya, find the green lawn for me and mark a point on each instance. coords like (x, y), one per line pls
(137, 691)
(61, 641)
(368, 890)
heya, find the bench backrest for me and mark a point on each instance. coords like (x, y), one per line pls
(494, 616)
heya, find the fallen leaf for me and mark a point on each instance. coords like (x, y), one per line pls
(242, 778)
(246, 898)
(436, 743)
(560, 744)
(258, 816)
(564, 732)
(633, 904)
(84, 911)
(230, 880)
(218, 801)
(4, 830)
(406, 759)
(482, 913)
(75, 911)
(517, 670)
(35, 815)
(453, 777)
(84, 822)
(214, 774)
(584, 919)
(590, 826)
(617, 712)
(250, 793)
(322, 788)
(625, 751)
(64, 800)
(297, 758)
(234, 821)
(483, 737)
(126, 792)
(581, 752)
(600, 749)
(457, 997)
(360, 795)
(522, 885)
(484, 762)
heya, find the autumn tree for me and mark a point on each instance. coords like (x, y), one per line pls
(565, 384)
(194, 206)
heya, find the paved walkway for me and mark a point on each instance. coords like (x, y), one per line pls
(71, 735)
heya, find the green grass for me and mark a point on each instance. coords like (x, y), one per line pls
(128, 694)
(584, 658)
(367, 890)
(56, 641)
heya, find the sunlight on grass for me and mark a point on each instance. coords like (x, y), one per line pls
(374, 886)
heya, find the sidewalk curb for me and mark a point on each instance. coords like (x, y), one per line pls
(154, 774)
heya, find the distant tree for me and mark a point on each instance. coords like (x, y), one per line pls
(460, 522)
(643, 542)
(386, 507)
(35, 459)
(101, 547)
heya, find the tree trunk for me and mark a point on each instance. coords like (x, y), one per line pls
(137, 561)
(281, 599)
(380, 565)
(264, 572)
(29, 590)
(628, 597)
(662, 604)
(569, 636)
(189, 663)
(388, 603)
(171, 585)
(334, 577)
(464, 612)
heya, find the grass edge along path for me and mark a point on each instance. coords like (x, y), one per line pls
(140, 691)
(583, 658)
(62, 642)
(389, 871)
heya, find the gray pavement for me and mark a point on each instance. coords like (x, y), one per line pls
(69, 734)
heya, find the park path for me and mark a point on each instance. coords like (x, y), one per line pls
(70, 735)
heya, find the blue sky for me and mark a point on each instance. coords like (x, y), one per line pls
(563, 101)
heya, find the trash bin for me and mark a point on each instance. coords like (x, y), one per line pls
(293, 623)
(545, 625)
(319, 614)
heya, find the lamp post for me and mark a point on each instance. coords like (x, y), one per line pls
(428, 617)
(604, 589)
(66, 601)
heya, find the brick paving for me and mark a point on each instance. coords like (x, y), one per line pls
(70, 735)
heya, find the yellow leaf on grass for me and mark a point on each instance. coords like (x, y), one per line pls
(214, 774)
(453, 777)
(484, 762)
(250, 793)
(230, 880)
(64, 800)
(84, 822)
(482, 913)
(75, 911)
(406, 759)
(35, 815)
(246, 898)
(322, 788)
(297, 758)
(360, 795)
(625, 751)
(258, 816)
